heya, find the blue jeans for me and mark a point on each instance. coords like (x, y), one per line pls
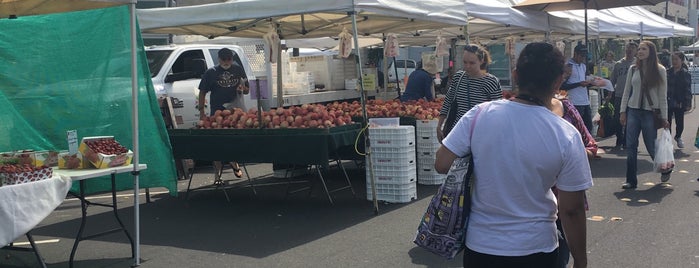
(638, 122)
(586, 114)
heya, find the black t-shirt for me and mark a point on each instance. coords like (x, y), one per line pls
(222, 84)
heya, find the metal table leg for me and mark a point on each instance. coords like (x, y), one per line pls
(83, 204)
(32, 249)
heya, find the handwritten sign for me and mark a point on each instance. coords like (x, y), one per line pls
(72, 141)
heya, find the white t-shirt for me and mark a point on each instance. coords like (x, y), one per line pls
(520, 151)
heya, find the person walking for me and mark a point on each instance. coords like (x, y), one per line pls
(618, 79)
(646, 90)
(679, 94)
(606, 65)
(576, 85)
(468, 87)
(513, 209)
(227, 83)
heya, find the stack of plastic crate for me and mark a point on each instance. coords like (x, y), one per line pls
(427, 145)
(393, 161)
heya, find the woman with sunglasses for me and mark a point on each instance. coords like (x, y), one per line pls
(469, 87)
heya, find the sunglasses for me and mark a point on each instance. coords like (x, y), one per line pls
(471, 48)
(226, 59)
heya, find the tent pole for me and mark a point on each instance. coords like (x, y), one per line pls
(362, 99)
(586, 42)
(134, 120)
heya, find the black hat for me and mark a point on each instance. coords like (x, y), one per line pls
(225, 54)
(580, 48)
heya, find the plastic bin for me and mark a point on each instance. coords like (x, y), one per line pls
(400, 136)
(431, 178)
(397, 176)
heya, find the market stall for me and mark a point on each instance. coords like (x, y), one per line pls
(316, 147)
(58, 76)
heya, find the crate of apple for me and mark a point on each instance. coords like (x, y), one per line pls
(105, 152)
(22, 173)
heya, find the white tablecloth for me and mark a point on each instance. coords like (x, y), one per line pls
(23, 206)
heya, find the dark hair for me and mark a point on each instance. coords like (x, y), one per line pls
(682, 57)
(538, 67)
(649, 67)
(481, 53)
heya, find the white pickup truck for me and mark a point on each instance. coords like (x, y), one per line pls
(177, 69)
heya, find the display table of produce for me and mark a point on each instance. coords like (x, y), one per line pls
(24, 205)
(299, 146)
(81, 175)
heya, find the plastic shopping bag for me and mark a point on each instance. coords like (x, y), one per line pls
(664, 156)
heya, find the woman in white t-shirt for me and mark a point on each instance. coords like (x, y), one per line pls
(520, 150)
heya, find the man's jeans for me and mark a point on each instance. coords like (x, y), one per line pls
(586, 113)
(638, 121)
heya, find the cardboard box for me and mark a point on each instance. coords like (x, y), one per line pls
(24, 177)
(47, 158)
(75, 161)
(100, 160)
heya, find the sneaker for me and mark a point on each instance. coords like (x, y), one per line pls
(664, 177)
(680, 143)
(628, 186)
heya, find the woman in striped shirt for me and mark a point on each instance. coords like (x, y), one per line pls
(469, 87)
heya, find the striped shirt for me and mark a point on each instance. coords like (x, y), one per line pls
(471, 91)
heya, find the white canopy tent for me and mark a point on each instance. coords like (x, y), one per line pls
(15, 8)
(302, 18)
(626, 21)
(306, 19)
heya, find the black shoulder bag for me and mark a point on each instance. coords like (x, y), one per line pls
(454, 107)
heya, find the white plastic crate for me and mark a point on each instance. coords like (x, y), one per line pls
(427, 147)
(392, 176)
(395, 160)
(426, 133)
(431, 140)
(425, 166)
(392, 150)
(392, 189)
(426, 124)
(400, 136)
(394, 198)
(431, 179)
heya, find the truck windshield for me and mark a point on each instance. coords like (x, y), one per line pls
(156, 60)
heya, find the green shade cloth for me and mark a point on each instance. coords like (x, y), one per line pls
(72, 71)
(289, 146)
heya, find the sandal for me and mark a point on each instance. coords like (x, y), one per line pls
(236, 170)
(218, 182)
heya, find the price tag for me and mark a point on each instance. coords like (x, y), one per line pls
(72, 141)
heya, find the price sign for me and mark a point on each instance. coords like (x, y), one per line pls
(72, 141)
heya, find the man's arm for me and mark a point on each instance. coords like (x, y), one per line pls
(571, 210)
(202, 104)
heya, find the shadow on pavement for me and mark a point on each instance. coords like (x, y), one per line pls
(429, 260)
(254, 226)
(643, 197)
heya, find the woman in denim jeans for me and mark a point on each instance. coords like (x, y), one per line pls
(646, 90)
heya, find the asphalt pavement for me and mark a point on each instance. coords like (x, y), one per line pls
(656, 225)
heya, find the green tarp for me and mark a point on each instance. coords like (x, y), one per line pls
(72, 71)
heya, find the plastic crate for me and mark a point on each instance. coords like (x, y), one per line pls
(400, 136)
(392, 150)
(432, 140)
(431, 179)
(404, 198)
(427, 147)
(395, 160)
(393, 189)
(392, 176)
(425, 166)
(426, 124)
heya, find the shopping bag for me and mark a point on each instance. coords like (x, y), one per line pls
(664, 156)
(442, 229)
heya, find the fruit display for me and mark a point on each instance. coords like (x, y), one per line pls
(319, 115)
(104, 152)
(304, 116)
(71, 161)
(22, 173)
